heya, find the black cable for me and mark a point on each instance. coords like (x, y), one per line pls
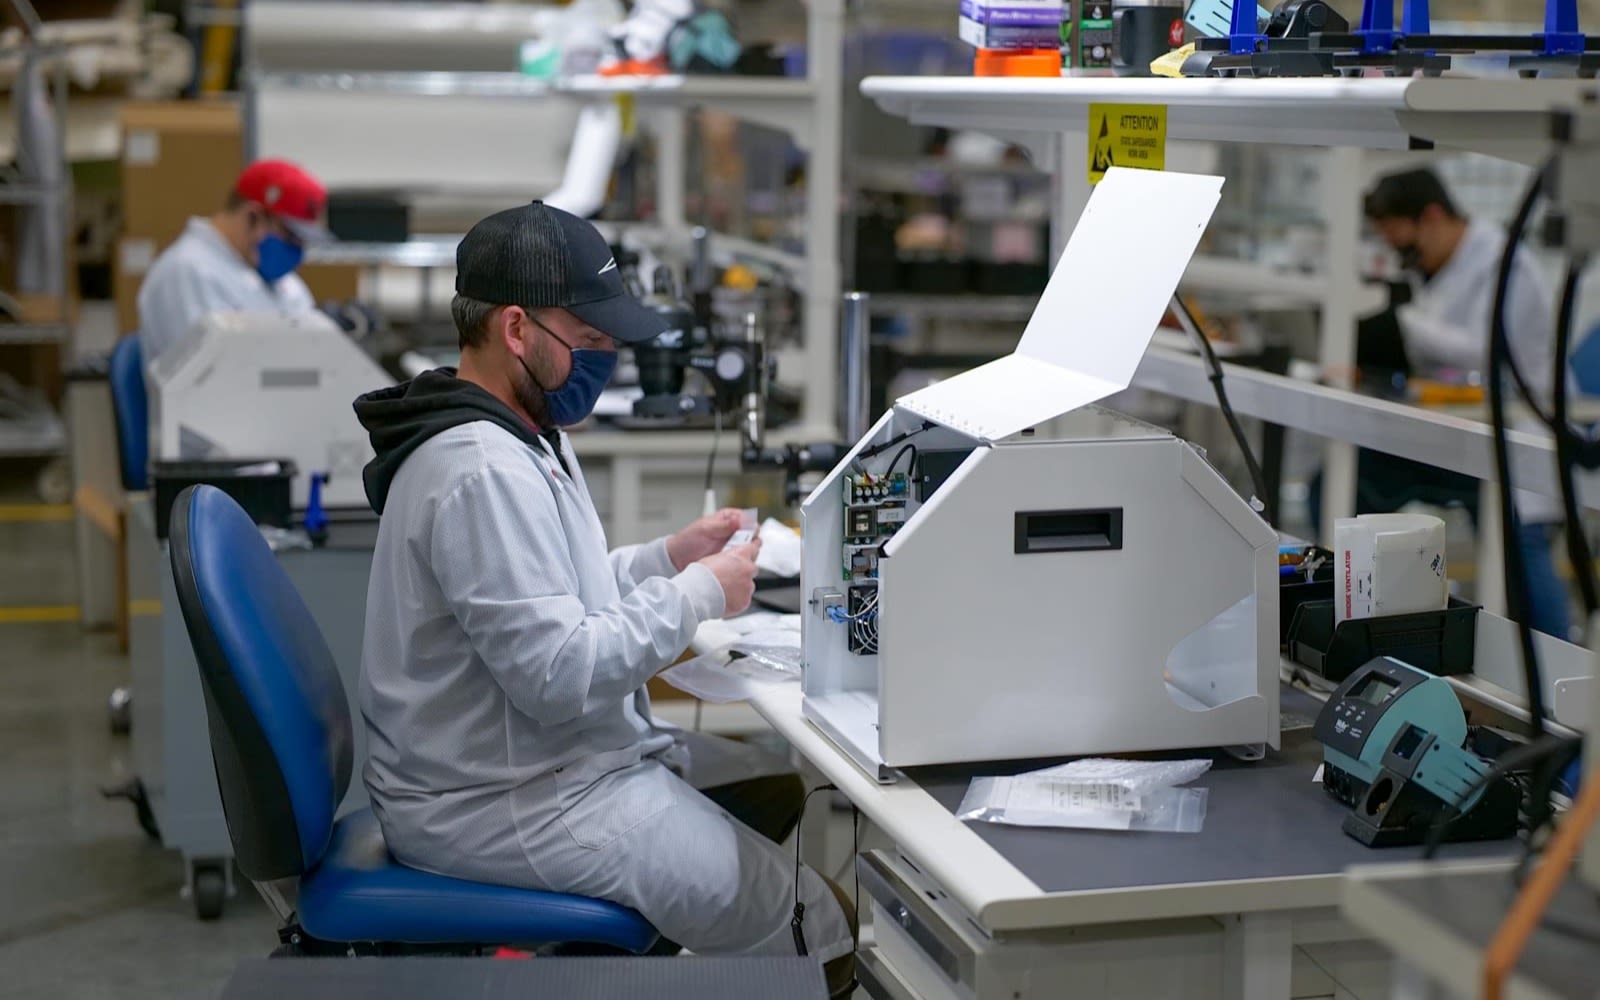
(907, 447)
(797, 925)
(1258, 481)
(716, 441)
(1516, 578)
(855, 866)
(1512, 760)
(1578, 551)
(879, 449)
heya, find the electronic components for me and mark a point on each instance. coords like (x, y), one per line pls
(875, 507)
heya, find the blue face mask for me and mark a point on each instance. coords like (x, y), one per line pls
(276, 257)
(575, 398)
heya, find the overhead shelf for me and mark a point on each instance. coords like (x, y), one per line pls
(779, 102)
(439, 250)
(1495, 116)
(1442, 440)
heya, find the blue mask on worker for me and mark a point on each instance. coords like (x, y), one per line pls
(276, 257)
(575, 398)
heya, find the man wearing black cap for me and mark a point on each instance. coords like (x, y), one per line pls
(510, 737)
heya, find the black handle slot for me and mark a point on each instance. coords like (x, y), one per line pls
(1068, 530)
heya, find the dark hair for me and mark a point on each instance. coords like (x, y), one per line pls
(472, 320)
(1407, 194)
(237, 201)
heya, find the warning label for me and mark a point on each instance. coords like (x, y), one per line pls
(1126, 135)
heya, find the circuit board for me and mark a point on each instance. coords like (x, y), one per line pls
(875, 507)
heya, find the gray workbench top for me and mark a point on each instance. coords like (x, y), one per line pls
(771, 978)
(1266, 820)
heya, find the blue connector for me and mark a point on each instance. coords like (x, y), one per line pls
(1244, 34)
(316, 520)
(1561, 35)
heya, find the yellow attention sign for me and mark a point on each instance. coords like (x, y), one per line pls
(1126, 135)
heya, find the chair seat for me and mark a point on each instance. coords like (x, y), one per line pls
(361, 893)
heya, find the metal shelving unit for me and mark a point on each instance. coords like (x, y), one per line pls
(39, 180)
(809, 111)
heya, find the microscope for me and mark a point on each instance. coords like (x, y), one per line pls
(737, 369)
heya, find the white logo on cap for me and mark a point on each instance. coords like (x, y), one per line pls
(611, 265)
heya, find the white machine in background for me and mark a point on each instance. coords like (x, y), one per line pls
(251, 385)
(1044, 577)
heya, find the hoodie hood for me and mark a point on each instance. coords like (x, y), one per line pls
(400, 418)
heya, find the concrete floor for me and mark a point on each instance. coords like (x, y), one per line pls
(89, 906)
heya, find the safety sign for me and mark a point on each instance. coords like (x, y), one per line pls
(1126, 135)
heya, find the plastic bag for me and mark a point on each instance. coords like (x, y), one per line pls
(1032, 800)
(1137, 776)
(737, 671)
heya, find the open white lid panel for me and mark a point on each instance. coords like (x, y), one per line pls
(1090, 329)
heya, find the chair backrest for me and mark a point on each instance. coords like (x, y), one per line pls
(279, 721)
(132, 409)
(1584, 362)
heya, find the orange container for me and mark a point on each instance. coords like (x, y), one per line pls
(1017, 62)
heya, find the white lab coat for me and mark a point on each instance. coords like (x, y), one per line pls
(1447, 323)
(510, 737)
(200, 274)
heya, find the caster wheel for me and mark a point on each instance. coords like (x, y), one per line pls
(210, 892)
(54, 484)
(119, 710)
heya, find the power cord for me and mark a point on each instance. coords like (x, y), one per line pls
(1516, 579)
(1512, 760)
(797, 925)
(907, 447)
(1258, 481)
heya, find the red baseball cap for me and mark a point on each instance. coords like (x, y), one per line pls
(289, 193)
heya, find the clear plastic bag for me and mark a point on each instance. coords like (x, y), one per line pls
(737, 671)
(1135, 775)
(1035, 800)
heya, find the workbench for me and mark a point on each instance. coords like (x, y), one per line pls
(1247, 908)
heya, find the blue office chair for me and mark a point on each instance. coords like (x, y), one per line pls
(132, 409)
(281, 737)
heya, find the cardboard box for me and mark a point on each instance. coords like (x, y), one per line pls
(179, 159)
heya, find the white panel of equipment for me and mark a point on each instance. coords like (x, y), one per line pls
(247, 385)
(1097, 314)
(1081, 582)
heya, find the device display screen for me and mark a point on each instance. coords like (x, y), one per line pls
(1375, 690)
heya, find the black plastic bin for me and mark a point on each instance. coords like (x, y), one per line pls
(260, 485)
(1440, 642)
(1296, 590)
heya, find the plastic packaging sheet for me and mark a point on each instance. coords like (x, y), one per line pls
(1094, 794)
(767, 654)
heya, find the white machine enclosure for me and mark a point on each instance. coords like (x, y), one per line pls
(1082, 582)
(248, 385)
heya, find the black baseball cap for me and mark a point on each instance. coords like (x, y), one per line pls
(536, 256)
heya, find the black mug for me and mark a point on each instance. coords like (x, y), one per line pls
(1143, 31)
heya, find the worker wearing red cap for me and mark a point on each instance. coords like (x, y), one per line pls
(241, 259)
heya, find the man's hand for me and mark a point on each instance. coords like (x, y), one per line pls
(704, 537)
(735, 569)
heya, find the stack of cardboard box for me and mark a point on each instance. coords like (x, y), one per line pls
(179, 160)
